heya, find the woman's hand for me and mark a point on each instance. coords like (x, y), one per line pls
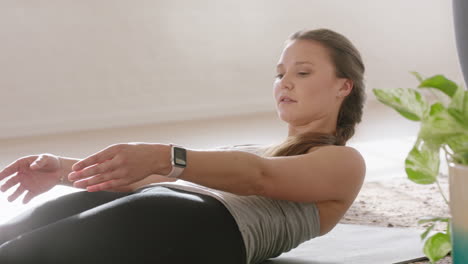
(35, 174)
(120, 165)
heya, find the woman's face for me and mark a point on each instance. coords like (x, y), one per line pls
(306, 74)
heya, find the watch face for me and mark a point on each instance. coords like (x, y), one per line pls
(180, 158)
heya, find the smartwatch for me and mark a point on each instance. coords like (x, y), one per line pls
(178, 160)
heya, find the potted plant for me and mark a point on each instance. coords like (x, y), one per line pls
(444, 127)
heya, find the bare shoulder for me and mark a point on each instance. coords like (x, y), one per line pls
(335, 148)
(324, 173)
(349, 159)
(340, 151)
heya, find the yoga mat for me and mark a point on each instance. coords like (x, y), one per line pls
(359, 244)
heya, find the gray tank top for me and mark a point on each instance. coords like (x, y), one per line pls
(269, 227)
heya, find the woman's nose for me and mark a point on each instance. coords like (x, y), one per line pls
(286, 83)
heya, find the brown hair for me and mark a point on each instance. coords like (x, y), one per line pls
(348, 64)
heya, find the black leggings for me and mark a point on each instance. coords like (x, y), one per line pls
(158, 225)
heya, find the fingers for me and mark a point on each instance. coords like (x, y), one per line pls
(20, 190)
(107, 166)
(99, 179)
(10, 183)
(99, 157)
(28, 197)
(108, 185)
(10, 169)
(99, 187)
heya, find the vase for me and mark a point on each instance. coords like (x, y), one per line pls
(458, 187)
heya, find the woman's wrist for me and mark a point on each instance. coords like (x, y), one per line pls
(66, 167)
(62, 175)
(162, 156)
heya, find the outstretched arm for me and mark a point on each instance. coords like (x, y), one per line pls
(67, 164)
(233, 171)
(328, 173)
(123, 164)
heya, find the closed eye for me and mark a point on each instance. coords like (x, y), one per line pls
(300, 73)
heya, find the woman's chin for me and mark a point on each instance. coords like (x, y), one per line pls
(287, 118)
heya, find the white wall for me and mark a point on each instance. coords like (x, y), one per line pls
(69, 66)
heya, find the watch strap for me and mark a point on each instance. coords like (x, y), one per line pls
(176, 170)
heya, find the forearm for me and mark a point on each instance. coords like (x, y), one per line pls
(67, 164)
(237, 172)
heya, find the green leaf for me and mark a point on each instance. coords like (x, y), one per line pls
(458, 116)
(458, 107)
(441, 83)
(428, 219)
(424, 235)
(438, 125)
(436, 109)
(459, 145)
(465, 104)
(418, 76)
(449, 231)
(408, 102)
(422, 163)
(459, 99)
(437, 246)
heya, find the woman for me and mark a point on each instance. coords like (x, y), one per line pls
(242, 204)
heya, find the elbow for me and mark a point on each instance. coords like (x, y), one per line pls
(258, 187)
(261, 182)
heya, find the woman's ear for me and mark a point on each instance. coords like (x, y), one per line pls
(346, 88)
